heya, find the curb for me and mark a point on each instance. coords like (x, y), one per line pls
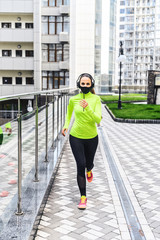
(104, 102)
(121, 120)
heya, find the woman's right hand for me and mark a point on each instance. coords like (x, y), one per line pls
(64, 130)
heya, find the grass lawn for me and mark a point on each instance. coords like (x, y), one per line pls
(125, 97)
(135, 111)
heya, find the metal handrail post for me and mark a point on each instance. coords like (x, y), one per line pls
(64, 109)
(66, 101)
(57, 116)
(53, 121)
(36, 141)
(61, 110)
(19, 209)
(46, 158)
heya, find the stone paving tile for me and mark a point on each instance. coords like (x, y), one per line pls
(137, 148)
(64, 219)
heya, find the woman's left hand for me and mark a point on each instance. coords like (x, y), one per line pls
(83, 103)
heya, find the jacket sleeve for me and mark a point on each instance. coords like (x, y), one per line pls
(97, 113)
(69, 113)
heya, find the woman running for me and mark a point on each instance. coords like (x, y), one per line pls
(83, 135)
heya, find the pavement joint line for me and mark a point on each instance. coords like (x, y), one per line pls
(140, 215)
(118, 208)
(133, 224)
(142, 220)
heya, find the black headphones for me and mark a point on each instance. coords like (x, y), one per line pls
(85, 75)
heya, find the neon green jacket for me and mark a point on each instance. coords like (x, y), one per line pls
(84, 126)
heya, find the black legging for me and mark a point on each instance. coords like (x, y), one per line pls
(83, 151)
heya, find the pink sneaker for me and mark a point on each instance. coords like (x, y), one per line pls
(83, 202)
(89, 176)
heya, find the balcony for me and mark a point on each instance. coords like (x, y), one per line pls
(50, 39)
(64, 65)
(50, 66)
(17, 63)
(16, 35)
(64, 37)
(50, 11)
(64, 10)
(11, 6)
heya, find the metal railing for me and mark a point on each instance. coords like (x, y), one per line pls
(60, 97)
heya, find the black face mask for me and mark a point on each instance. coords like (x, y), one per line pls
(85, 90)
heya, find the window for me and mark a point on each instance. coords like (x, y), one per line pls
(121, 26)
(122, 19)
(18, 80)
(129, 27)
(44, 3)
(7, 80)
(55, 52)
(18, 53)
(121, 34)
(66, 2)
(55, 25)
(53, 80)
(18, 25)
(6, 25)
(54, 3)
(122, 3)
(122, 11)
(129, 19)
(130, 10)
(6, 53)
(29, 53)
(28, 25)
(29, 80)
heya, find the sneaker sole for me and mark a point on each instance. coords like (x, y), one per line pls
(89, 180)
(81, 208)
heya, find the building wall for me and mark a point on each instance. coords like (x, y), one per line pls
(16, 6)
(13, 18)
(108, 46)
(112, 44)
(82, 38)
(55, 73)
(13, 39)
(139, 29)
(37, 45)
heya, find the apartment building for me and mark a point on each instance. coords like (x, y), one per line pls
(105, 49)
(139, 29)
(45, 44)
(17, 55)
(55, 43)
(34, 49)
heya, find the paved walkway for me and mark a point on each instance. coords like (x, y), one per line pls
(136, 151)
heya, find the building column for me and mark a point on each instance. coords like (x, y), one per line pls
(82, 38)
(37, 45)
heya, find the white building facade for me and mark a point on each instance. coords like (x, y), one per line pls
(17, 55)
(139, 30)
(45, 44)
(106, 45)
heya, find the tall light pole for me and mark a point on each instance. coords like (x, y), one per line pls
(120, 59)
